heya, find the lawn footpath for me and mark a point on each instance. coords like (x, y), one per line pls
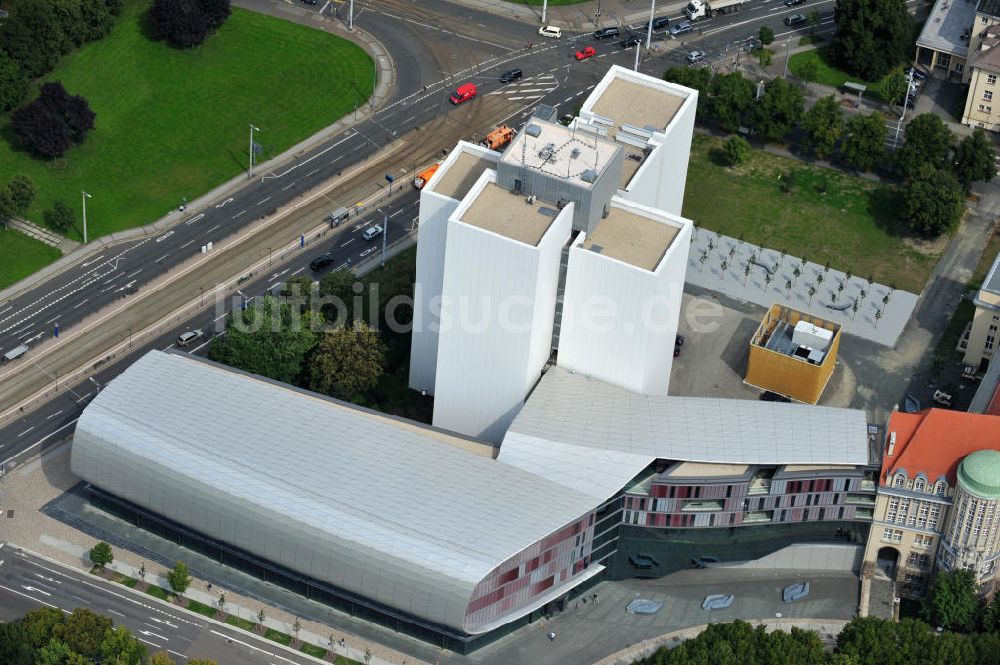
(809, 211)
(20, 256)
(828, 73)
(172, 124)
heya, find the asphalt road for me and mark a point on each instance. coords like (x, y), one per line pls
(28, 582)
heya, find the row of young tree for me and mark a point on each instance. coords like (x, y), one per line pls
(936, 169)
(37, 34)
(863, 641)
(48, 636)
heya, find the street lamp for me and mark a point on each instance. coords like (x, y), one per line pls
(85, 197)
(545, 8)
(252, 147)
(649, 28)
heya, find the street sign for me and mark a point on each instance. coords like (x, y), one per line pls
(389, 177)
(257, 148)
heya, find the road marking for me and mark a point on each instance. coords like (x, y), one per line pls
(266, 198)
(238, 214)
(162, 257)
(221, 316)
(272, 286)
(514, 99)
(6, 310)
(20, 337)
(250, 646)
(207, 341)
(150, 633)
(169, 347)
(54, 415)
(134, 274)
(287, 187)
(89, 263)
(311, 172)
(194, 219)
(40, 441)
(37, 600)
(115, 612)
(83, 398)
(408, 120)
(212, 229)
(26, 431)
(187, 243)
(31, 588)
(348, 242)
(398, 212)
(165, 236)
(298, 271)
(229, 200)
(158, 646)
(82, 302)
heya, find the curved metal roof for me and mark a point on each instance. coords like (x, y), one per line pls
(313, 485)
(980, 473)
(595, 437)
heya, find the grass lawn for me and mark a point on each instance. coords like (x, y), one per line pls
(828, 74)
(20, 256)
(827, 216)
(173, 123)
(158, 592)
(281, 638)
(234, 620)
(312, 650)
(201, 608)
(130, 582)
(989, 255)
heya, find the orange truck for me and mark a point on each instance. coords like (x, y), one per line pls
(499, 137)
(425, 175)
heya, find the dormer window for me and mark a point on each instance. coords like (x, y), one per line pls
(899, 480)
(941, 488)
(919, 485)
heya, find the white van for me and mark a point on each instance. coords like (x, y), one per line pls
(372, 232)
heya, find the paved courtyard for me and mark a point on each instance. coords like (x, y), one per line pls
(764, 276)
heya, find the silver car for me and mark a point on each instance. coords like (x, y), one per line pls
(681, 28)
(695, 56)
(185, 338)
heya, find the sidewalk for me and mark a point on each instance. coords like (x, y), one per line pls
(383, 91)
(578, 16)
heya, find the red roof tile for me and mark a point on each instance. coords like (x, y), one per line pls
(934, 441)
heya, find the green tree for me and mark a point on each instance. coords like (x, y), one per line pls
(178, 578)
(814, 19)
(872, 36)
(22, 192)
(928, 142)
(337, 292)
(59, 217)
(122, 648)
(766, 35)
(15, 644)
(987, 648)
(823, 125)
(160, 658)
(270, 338)
(101, 554)
(778, 110)
(975, 159)
(764, 57)
(57, 652)
(698, 78)
(32, 36)
(952, 600)
(808, 71)
(202, 661)
(187, 23)
(736, 150)
(347, 362)
(932, 202)
(83, 631)
(13, 84)
(39, 625)
(299, 290)
(863, 146)
(895, 88)
(730, 98)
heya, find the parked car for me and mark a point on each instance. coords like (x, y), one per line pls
(606, 33)
(372, 232)
(794, 3)
(586, 52)
(463, 93)
(659, 23)
(695, 56)
(680, 28)
(630, 41)
(916, 73)
(566, 119)
(511, 75)
(717, 601)
(942, 398)
(795, 19)
(185, 338)
(321, 262)
(550, 31)
(795, 592)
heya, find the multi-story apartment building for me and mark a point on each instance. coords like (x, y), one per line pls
(937, 497)
(980, 338)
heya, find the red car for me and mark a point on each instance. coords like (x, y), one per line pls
(587, 52)
(463, 93)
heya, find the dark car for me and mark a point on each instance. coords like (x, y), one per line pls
(659, 23)
(917, 74)
(511, 75)
(321, 262)
(605, 33)
(795, 19)
(794, 3)
(630, 41)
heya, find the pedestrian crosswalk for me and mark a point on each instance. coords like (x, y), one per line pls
(527, 89)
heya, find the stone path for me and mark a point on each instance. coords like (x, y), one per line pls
(809, 287)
